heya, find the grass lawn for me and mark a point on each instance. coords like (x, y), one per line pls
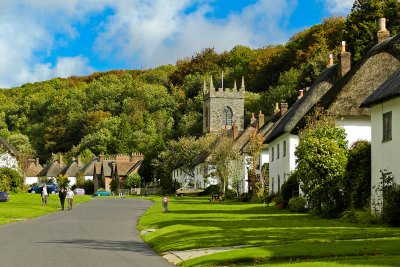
(274, 237)
(24, 206)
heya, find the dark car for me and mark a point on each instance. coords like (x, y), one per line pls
(4, 197)
(37, 189)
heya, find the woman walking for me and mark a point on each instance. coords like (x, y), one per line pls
(70, 198)
(62, 196)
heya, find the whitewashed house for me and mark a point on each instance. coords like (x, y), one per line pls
(385, 122)
(8, 155)
(340, 90)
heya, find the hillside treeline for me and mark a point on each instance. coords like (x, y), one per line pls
(126, 111)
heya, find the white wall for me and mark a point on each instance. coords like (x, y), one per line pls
(385, 155)
(357, 128)
(31, 180)
(282, 166)
(8, 161)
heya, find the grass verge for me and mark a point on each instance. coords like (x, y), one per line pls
(272, 235)
(24, 206)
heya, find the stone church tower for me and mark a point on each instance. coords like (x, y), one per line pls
(223, 107)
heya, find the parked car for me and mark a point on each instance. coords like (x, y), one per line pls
(79, 191)
(102, 193)
(4, 197)
(37, 189)
(188, 191)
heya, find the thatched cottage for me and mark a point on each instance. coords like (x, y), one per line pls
(340, 90)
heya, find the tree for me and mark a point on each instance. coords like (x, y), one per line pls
(321, 163)
(254, 149)
(133, 180)
(361, 24)
(10, 180)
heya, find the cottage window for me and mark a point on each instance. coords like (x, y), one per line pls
(272, 154)
(272, 185)
(284, 149)
(279, 184)
(228, 114)
(277, 151)
(387, 126)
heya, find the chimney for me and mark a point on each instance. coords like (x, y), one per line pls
(383, 33)
(235, 131)
(284, 108)
(301, 93)
(276, 110)
(37, 161)
(60, 161)
(253, 119)
(79, 161)
(344, 60)
(330, 63)
(261, 119)
(101, 157)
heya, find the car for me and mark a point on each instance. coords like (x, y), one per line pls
(37, 189)
(102, 193)
(188, 191)
(4, 197)
(79, 191)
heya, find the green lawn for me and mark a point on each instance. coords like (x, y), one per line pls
(24, 206)
(272, 236)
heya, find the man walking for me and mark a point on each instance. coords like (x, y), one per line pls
(70, 198)
(62, 196)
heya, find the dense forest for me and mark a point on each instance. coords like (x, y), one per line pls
(124, 111)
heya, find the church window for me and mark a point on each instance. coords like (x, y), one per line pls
(387, 126)
(228, 114)
(206, 116)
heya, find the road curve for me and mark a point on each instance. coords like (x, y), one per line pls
(101, 232)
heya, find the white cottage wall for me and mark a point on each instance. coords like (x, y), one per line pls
(357, 128)
(385, 154)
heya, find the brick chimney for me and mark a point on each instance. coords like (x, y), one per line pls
(261, 119)
(284, 108)
(383, 33)
(330, 62)
(344, 60)
(276, 110)
(60, 161)
(301, 93)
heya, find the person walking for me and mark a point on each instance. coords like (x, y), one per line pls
(70, 198)
(44, 195)
(165, 203)
(62, 194)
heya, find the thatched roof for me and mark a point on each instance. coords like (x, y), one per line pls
(295, 116)
(53, 169)
(346, 96)
(8, 147)
(388, 90)
(73, 169)
(34, 168)
(343, 97)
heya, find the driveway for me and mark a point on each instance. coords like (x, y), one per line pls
(101, 232)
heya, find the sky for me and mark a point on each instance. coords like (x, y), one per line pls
(43, 39)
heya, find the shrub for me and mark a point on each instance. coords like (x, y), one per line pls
(391, 206)
(88, 185)
(212, 190)
(245, 197)
(10, 179)
(270, 198)
(298, 204)
(358, 216)
(290, 188)
(230, 194)
(279, 201)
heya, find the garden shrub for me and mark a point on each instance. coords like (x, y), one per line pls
(391, 206)
(290, 188)
(230, 194)
(88, 185)
(245, 197)
(11, 180)
(270, 198)
(359, 216)
(298, 204)
(212, 190)
(279, 201)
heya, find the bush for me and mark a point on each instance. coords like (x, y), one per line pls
(298, 204)
(212, 190)
(10, 180)
(88, 185)
(358, 216)
(270, 198)
(391, 207)
(245, 197)
(290, 188)
(279, 201)
(230, 194)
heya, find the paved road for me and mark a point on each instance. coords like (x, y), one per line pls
(101, 232)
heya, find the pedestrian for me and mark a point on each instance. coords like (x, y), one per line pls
(44, 195)
(165, 203)
(62, 194)
(70, 198)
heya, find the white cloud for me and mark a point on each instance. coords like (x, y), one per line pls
(151, 32)
(159, 32)
(338, 7)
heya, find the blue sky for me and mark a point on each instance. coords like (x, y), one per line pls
(42, 39)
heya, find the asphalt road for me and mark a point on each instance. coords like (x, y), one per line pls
(101, 232)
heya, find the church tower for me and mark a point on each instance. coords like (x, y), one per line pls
(223, 107)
